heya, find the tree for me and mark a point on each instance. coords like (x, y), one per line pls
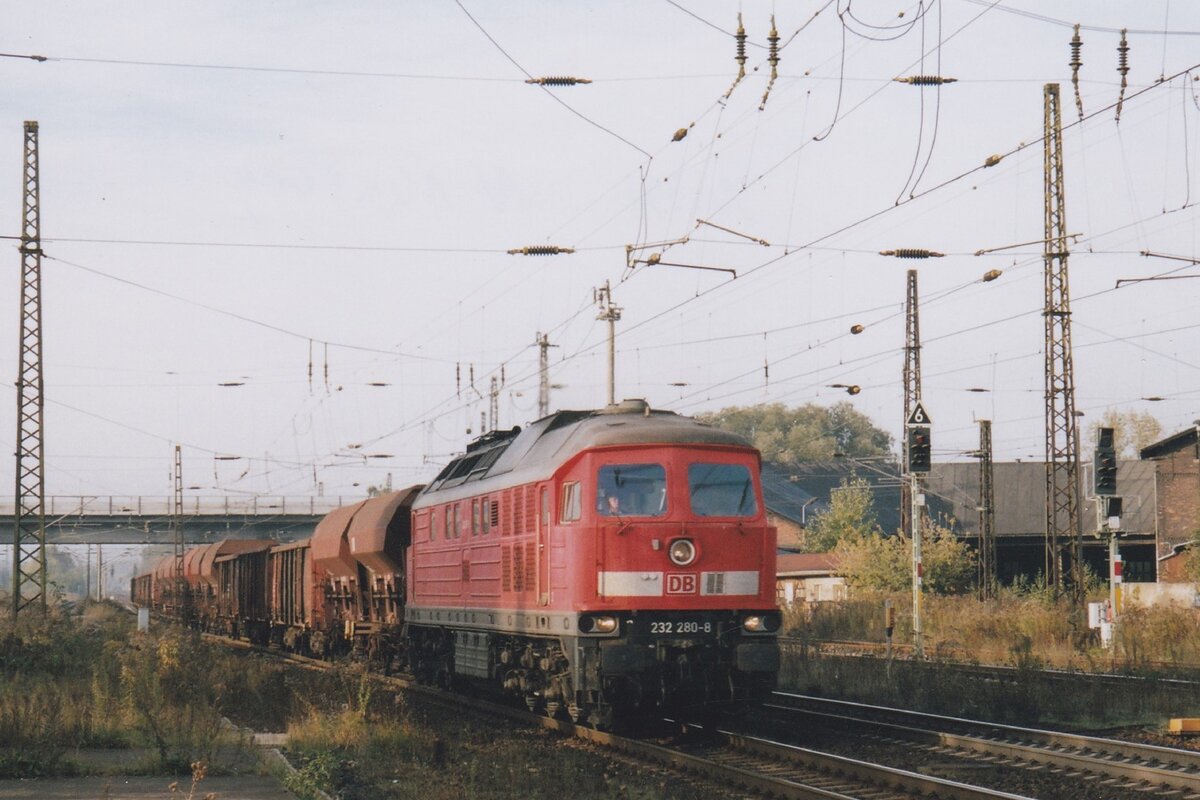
(1132, 430)
(884, 563)
(850, 516)
(791, 436)
(1191, 565)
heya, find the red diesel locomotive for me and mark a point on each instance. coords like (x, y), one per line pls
(597, 560)
(593, 562)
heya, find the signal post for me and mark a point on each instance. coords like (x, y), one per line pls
(1108, 512)
(918, 455)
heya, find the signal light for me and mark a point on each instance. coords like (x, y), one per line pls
(1105, 464)
(919, 448)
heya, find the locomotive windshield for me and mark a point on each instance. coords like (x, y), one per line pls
(631, 490)
(721, 490)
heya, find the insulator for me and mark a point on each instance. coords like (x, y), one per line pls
(853, 389)
(1123, 68)
(925, 80)
(1076, 46)
(557, 80)
(740, 58)
(679, 135)
(911, 252)
(654, 259)
(773, 60)
(773, 42)
(540, 250)
(993, 160)
(991, 275)
(857, 329)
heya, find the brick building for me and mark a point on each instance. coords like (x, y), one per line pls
(1176, 462)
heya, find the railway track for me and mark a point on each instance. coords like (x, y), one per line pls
(730, 760)
(1116, 765)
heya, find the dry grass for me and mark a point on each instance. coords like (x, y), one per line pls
(1021, 628)
(89, 681)
(365, 742)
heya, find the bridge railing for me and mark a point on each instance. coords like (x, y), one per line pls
(193, 505)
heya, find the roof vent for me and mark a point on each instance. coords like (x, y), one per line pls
(634, 406)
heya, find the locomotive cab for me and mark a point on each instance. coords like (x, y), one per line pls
(679, 608)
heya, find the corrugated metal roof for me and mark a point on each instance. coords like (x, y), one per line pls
(784, 496)
(1020, 492)
(822, 478)
(1171, 444)
(798, 564)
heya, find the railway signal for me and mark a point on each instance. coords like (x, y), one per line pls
(1105, 464)
(917, 429)
(919, 449)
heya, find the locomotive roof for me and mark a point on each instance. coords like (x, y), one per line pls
(505, 458)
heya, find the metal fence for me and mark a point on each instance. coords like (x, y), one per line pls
(61, 506)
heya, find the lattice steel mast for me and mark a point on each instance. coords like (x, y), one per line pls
(912, 386)
(29, 521)
(1063, 531)
(180, 583)
(543, 343)
(987, 514)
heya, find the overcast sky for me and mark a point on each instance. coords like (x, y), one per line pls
(229, 187)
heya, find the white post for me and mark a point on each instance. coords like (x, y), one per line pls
(917, 572)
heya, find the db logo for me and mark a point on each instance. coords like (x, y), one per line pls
(681, 583)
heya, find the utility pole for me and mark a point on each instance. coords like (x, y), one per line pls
(543, 343)
(609, 313)
(987, 514)
(493, 405)
(912, 388)
(29, 516)
(180, 582)
(1063, 526)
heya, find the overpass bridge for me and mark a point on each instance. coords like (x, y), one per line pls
(91, 519)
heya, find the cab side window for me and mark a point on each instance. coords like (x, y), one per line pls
(571, 504)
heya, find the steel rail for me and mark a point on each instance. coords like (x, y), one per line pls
(735, 760)
(1130, 761)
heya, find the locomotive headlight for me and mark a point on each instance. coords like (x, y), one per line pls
(761, 623)
(682, 552)
(600, 624)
